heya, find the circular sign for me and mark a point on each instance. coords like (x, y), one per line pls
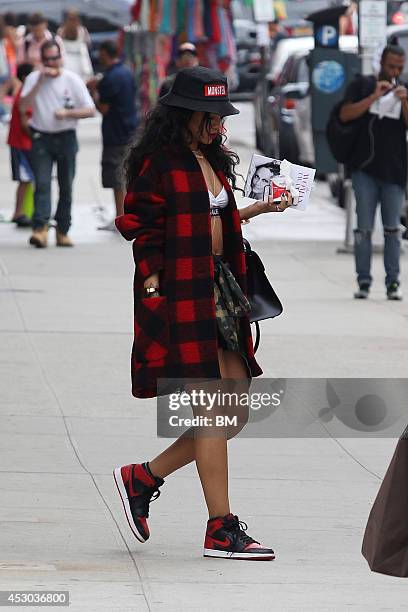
(327, 36)
(328, 76)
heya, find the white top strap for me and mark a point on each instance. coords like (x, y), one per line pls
(220, 201)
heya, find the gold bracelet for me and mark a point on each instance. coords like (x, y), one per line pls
(150, 290)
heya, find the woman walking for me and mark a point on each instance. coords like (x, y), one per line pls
(77, 43)
(191, 311)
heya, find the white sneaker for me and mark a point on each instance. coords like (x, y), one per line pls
(362, 293)
(394, 292)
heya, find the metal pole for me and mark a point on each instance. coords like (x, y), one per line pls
(364, 52)
(350, 206)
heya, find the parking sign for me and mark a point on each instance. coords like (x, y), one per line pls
(327, 36)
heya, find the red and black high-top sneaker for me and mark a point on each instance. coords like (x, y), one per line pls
(226, 538)
(137, 487)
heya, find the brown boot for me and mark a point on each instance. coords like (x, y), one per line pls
(63, 240)
(39, 237)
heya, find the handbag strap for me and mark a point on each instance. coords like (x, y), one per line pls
(258, 336)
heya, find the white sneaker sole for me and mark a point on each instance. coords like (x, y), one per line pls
(117, 475)
(221, 554)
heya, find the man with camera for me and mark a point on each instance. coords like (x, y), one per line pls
(58, 98)
(379, 165)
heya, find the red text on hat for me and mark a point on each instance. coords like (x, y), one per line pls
(215, 90)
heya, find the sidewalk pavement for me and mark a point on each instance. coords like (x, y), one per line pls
(68, 418)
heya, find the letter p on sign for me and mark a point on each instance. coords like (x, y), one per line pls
(328, 36)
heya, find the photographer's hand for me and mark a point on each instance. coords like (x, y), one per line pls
(381, 88)
(401, 92)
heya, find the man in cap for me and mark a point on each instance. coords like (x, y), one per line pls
(187, 57)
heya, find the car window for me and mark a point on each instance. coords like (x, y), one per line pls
(285, 48)
(287, 71)
(296, 9)
(403, 42)
(302, 71)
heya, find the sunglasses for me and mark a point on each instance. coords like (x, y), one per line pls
(51, 58)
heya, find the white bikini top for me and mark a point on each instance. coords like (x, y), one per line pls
(220, 201)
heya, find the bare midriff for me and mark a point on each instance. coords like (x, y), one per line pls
(215, 186)
(216, 234)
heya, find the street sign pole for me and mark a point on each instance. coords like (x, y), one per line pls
(372, 31)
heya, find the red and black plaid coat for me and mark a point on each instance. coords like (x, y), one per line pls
(167, 215)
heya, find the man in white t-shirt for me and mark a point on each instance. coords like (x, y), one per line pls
(58, 98)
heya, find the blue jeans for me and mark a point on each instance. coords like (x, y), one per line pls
(369, 191)
(60, 147)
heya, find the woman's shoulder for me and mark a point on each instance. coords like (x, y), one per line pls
(157, 164)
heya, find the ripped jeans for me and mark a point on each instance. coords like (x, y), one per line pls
(369, 191)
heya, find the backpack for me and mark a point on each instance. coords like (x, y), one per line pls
(341, 136)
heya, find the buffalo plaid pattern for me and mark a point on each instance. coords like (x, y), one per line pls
(167, 215)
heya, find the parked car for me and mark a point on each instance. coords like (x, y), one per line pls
(399, 34)
(397, 12)
(282, 102)
(283, 50)
(245, 31)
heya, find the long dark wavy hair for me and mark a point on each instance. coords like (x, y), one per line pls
(168, 125)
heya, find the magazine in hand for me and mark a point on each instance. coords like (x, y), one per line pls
(268, 176)
(387, 106)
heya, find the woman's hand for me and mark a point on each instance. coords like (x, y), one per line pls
(152, 281)
(270, 206)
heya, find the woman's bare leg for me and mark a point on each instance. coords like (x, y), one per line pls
(182, 451)
(209, 452)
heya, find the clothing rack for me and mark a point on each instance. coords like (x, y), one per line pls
(159, 26)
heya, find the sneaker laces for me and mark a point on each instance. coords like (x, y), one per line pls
(148, 497)
(239, 528)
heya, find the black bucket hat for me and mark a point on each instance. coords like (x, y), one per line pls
(200, 89)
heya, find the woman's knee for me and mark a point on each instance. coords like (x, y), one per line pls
(238, 424)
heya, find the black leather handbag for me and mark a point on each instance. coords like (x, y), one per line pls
(265, 304)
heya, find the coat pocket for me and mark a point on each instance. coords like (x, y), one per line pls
(151, 329)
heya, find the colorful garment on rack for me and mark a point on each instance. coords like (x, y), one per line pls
(181, 16)
(165, 26)
(215, 24)
(226, 47)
